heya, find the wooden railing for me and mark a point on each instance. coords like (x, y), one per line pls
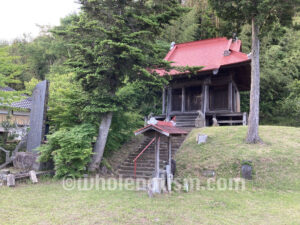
(136, 158)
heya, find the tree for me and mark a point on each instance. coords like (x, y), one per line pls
(291, 105)
(262, 14)
(112, 43)
(9, 74)
(200, 22)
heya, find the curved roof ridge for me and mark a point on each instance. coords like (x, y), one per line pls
(202, 40)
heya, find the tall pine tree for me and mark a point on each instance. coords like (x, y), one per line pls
(112, 43)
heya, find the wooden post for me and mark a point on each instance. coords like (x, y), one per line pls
(205, 98)
(237, 98)
(206, 95)
(238, 101)
(169, 104)
(183, 99)
(157, 144)
(244, 119)
(163, 101)
(170, 150)
(230, 96)
(203, 107)
(205, 103)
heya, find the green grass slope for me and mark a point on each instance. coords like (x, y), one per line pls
(276, 162)
(272, 198)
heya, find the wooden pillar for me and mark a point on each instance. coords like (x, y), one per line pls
(163, 101)
(157, 145)
(170, 150)
(169, 104)
(233, 99)
(206, 98)
(244, 119)
(203, 107)
(230, 96)
(238, 101)
(237, 98)
(183, 99)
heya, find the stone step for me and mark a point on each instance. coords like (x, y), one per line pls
(137, 176)
(138, 171)
(138, 168)
(146, 162)
(152, 154)
(141, 165)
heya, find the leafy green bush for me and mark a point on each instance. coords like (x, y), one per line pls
(291, 104)
(70, 149)
(122, 128)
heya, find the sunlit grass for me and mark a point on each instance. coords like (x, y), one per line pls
(273, 197)
(276, 162)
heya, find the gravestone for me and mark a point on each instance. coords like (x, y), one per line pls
(208, 173)
(202, 138)
(247, 170)
(11, 181)
(38, 118)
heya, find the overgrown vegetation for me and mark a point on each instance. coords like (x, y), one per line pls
(70, 149)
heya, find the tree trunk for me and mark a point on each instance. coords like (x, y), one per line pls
(101, 142)
(253, 122)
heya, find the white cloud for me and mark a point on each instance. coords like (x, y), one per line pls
(21, 16)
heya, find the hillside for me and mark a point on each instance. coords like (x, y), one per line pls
(272, 198)
(276, 162)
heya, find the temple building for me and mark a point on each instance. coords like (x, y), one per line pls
(214, 90)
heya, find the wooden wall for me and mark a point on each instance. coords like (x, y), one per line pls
(20, 119)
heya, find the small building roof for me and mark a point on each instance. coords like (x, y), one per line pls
(6, 89)
(23, 104)
(165, 128)
(210, 53)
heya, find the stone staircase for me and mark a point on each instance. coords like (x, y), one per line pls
(146, 162)
(187, 120)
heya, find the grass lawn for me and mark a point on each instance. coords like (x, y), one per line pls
(273, 197)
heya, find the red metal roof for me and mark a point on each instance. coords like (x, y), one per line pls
(208, 53)
(166, 128)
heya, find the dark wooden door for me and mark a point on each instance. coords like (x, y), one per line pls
(193, 99)
(218, 98)
(176, 99)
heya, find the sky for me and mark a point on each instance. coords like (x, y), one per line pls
(21, 16)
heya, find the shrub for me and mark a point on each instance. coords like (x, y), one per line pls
(70, 149)
(121, 130)
(291, 105)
